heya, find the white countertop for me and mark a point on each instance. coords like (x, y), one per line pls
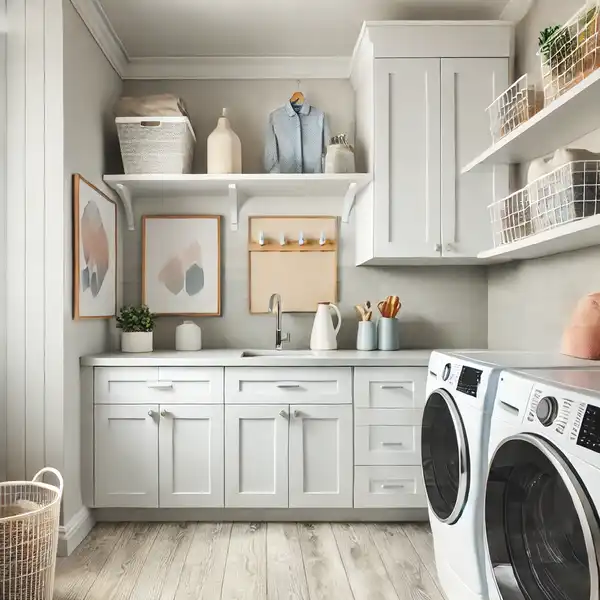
(263, 358)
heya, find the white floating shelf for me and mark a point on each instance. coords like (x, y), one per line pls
(238, 188)
(570, 117)
(572, 236)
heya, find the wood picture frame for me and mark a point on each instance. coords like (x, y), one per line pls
(181, 265)
(95, 245)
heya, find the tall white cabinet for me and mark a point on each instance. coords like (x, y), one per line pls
(421, 94)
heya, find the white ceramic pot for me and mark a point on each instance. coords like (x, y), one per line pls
(136, 341)
(188, 337)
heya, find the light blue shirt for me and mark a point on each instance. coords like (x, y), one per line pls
(295, 142)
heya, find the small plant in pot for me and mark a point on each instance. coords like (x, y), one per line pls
(137, 324)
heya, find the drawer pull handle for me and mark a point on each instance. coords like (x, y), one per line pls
(288, 386)
(151, 414)
(164, 413)
(160, 385)
(392, 486)
(388, 444)
(392, 387)
(284, 414)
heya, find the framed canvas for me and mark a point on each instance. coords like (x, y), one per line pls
(181, 264)
(94, 252)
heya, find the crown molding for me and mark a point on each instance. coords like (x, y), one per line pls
(516, 10)
(95, 19)
(238, 67)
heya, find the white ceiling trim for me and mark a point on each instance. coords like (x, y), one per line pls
(239, 67)
(203, 67)
(102, 31)
(516, 10)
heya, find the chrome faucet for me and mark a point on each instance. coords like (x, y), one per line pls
(275, 308)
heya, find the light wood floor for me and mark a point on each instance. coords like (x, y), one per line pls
(251, 561)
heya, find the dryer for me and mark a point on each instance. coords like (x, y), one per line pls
(543, 488)
(461, 388)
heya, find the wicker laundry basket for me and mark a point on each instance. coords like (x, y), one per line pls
(29, 518)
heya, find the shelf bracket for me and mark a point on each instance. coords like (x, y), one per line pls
(125, 195)
(349, 200)
(237, 199)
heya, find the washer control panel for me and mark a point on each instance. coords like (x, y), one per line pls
(589, 432)
(549, 411)
(469, 380)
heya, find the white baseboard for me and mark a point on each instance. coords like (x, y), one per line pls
(74, 532)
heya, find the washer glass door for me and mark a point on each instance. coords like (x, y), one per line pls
(540, 524)
(445, 457)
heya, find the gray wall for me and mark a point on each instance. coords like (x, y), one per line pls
(90, 90)
(442, 307)
(530, 302)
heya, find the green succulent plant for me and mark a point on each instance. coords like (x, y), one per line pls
(135, 319)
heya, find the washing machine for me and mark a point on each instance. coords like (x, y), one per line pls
(461, 388)
(542, 495)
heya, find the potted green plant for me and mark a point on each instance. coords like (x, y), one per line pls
(137, 324)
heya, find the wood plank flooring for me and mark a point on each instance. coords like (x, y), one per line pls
(251, 561)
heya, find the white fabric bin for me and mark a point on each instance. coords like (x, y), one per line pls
(156, 144)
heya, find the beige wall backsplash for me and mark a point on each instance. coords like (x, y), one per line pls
(248, 104)
(442, 306)
(531, 302)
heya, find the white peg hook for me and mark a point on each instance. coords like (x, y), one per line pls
(322, 239)
(282, 241)
(301, 239)
(261, 238)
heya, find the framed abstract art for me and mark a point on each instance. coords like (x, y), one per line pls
(181, 264)
(94, 252)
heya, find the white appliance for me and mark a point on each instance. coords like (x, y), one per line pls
(543, 489)
(461, 388)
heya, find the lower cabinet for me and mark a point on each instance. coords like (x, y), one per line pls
(280, 456)
(149, 456)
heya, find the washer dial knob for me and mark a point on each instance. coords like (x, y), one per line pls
(547, 410)
(446, 372)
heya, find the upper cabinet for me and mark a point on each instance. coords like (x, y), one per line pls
(420, 113)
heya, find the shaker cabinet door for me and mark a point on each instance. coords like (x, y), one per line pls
(126, 455)
(321, 456)
(256, 456)
(407, 157)
(469, 86)
(191, 456)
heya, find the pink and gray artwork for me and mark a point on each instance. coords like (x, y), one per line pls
(94, 241)
(183, 272)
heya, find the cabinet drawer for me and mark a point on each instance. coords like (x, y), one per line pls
(388, 445)
(282, 385)
(389, 487)
(390, 387)
(143, 385)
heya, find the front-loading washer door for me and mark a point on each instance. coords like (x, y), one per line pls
(541, 528)
(445, 457)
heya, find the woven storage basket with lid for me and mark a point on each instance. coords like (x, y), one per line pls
(29, 518)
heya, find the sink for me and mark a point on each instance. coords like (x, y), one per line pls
(276, 353)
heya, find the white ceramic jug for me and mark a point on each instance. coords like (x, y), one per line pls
(223, 149)
(188, 337)
(324, 336)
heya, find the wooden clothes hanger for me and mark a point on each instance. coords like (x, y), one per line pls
(297, 97)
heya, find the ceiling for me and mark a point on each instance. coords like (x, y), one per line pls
(193, 28)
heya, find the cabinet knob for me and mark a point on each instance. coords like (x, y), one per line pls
(164, 413)
(297, 414)
(151, 414)
(438, 247)
(284, 414)
(449, 247)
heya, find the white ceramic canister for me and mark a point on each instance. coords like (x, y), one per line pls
(188, 337)
(136, 341)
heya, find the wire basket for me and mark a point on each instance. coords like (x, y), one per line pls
(513, 107)
(29, 518)
(572, 53)
(569, 193)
